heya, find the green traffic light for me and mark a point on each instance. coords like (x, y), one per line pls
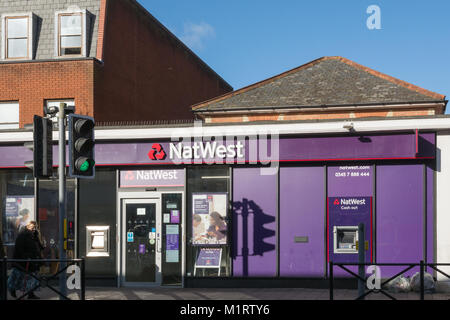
(85, 166)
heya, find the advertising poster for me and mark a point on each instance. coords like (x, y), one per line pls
(208, 218)
(172, 243)
(209, 257)
(19, 210)
(174, 216)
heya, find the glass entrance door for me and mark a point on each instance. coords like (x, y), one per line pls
(141, 226)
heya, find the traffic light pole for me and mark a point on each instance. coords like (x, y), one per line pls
(62, 195)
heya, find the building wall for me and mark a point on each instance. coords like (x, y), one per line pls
(255, 202)
(147, 73)
(45, 10)
(322, 115)
(442, 203)
(400, 215)
(302, 208)
(32, 83)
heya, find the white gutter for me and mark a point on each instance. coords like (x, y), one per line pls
(433, 124)
(267, 110)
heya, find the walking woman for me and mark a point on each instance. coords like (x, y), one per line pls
(27, 246)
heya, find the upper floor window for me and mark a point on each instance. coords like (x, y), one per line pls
(70, 34)
(9, 115)
(17, 38)
(71, 31)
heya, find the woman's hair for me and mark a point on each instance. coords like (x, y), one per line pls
(197, 217)
(34, 223)
(218, 219)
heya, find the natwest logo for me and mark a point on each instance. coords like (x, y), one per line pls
(207, 150)
(156, 152)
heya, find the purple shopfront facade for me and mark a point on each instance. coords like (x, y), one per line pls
(281, 225)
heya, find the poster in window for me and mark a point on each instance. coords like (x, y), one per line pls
(19, 210)
(209, 213)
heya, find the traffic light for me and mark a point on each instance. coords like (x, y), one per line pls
(81, 146)
(42, 147)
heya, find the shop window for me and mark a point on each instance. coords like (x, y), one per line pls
(208, 241)
(9, 115)
(18, 36)
(71, 31)
(48, 217)
(17, 204)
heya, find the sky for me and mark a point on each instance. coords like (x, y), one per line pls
(246, 41)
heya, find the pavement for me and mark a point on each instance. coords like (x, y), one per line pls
(243, 294)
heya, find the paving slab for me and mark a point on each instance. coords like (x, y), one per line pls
(165, 293)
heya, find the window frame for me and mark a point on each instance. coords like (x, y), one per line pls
(14, 124)
(30, 35)
(83, 35)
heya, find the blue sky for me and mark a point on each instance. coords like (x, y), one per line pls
(246, 41)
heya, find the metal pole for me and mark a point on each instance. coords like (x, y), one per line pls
(331, 281)
(4, 280)
(361, 259)
(62, 195)
(422, 286)
(83, 280)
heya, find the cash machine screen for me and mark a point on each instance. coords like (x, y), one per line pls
(345, 239)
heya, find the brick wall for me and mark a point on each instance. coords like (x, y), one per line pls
(323, 115)
(34, 82)
(147, 73)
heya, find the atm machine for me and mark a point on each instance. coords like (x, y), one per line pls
(344, 216)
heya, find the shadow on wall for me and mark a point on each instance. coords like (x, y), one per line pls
(245, 209)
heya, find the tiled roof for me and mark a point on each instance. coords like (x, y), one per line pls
(328, 81)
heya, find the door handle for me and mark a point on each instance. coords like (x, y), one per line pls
(158, 243)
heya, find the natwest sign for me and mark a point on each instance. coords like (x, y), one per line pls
(197, 151)
(152, 178)
(206, 150)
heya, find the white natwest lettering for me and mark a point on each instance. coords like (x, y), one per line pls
(206, 151)
(353, 201)
(156, 175)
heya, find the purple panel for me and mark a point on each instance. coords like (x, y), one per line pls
(389, 146)
(394, 146)
(302, 210)
(430, 215)
(349, 211)
(426, 144)
(350, 181)
(399, 216)
(254, 218)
